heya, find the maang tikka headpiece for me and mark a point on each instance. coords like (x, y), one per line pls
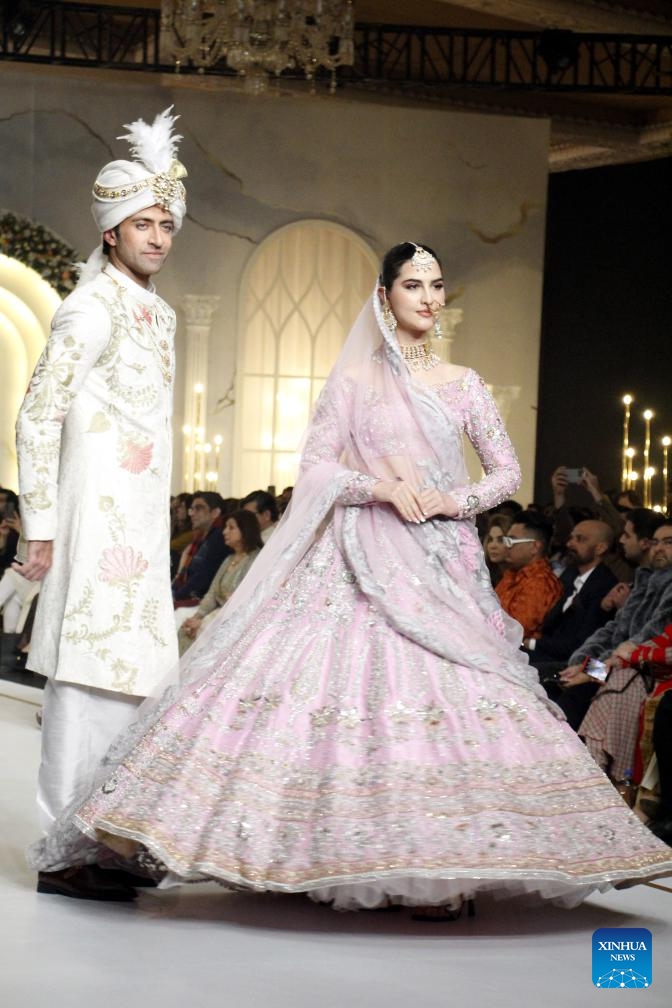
(422, 259)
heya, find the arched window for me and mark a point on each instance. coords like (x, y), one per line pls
(301, 293)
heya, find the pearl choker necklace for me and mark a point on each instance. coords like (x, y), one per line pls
(419, 357)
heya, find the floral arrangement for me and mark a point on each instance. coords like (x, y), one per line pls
(35, 246)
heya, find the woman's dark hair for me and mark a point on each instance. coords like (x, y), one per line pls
(12, 497)
(184, 498)
(249, 529)
(500, 519)
(395, 259)
(182, 524)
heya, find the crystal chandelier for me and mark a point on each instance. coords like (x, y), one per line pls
(258, 38)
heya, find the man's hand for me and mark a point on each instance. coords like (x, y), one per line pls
(40, 556)
(591, 483)
(559, 484)
(616, 598)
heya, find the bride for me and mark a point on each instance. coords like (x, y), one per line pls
(359, 723)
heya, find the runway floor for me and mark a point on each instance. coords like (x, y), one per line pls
(201, 946)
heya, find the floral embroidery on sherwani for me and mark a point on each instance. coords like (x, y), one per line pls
(94, 438)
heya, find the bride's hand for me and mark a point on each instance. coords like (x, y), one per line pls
(403, 498)
(433, 503)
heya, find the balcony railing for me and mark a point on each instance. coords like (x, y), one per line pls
(128, 38)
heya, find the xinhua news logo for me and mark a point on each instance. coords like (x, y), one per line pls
(622, 957)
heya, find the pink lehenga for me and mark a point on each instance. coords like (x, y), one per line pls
(359, 723)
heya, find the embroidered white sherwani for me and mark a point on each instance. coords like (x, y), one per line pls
(94, 446)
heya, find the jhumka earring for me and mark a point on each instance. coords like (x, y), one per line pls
(388, 316)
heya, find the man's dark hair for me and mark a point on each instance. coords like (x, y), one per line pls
(510, 507)
(211, 498)
(535, 525)
(264, 502)
(644, 521)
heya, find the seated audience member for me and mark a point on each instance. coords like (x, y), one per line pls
(509, 507)
(578, 687)
(661, 823)
(201, 559)
(266, 509)
(493, 544)
(653, 660)
(284, 499)
(231, 504)
(181, 529)
(529, 589)
(16, 595)
(243, 536)
(578, 612)
(604, 510)
(9, 527)
(606, 715)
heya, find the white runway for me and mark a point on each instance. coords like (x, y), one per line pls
(202, 947)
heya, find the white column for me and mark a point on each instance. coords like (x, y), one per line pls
(198, 311)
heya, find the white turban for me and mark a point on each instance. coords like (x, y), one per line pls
(152, 178)
(123, 188)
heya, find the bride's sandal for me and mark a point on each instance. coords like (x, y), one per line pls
(444, 913)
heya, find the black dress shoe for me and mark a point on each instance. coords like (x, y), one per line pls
(130, 879)
(86, 882)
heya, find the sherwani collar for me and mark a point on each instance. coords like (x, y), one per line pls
(145, 294)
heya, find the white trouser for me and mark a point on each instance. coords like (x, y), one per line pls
(79, 723)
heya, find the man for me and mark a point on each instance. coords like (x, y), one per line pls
(578, 612)
(265, 506)
(94, 448)
(611, 725)
(604, 511)
(202, 558)
(646, 611)
(529, 588)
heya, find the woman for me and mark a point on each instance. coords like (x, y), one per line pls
(242, 535)
(181, 531)
(493, 542)
(359, 723)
